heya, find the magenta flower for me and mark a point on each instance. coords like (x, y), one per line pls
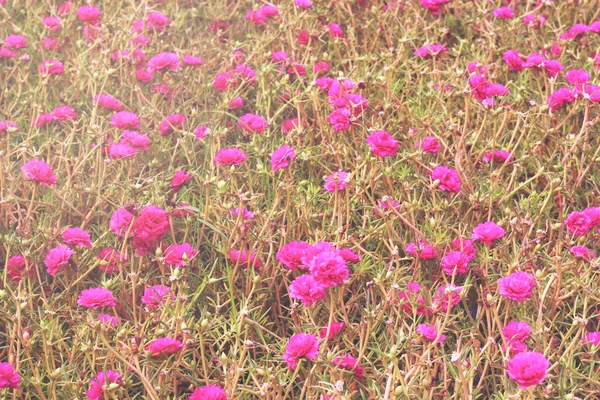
(301, 345)
(164, 347)
(487, 232)
(163, 61)
(306, 289)
(108, 102)
(89, 14)
(157, 295)
(422, 249)
(455, 262)
(582, 253)
(329, 269)
(244, 259)
(336, 181)
(96, 297)
(349, 363)
(593, 338)
(448, 178)
(528, 369)
(334, 329)
(208, 392)
(430, 332)
(77, 237)
(291, 255)
(179, 179)
(9, 378)
(517, 286)
(280, 158)
(40, 172)
(179, 254)
(125, 120)
(101, 382)
(230, 156)
(430, 51)
(499, 156)
(57, 257)
(514, 60)
(559, 98)
(503, 13)
(428, 145)
(382, 144)
(516, 331)
(578, 223)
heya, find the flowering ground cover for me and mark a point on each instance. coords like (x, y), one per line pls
(303, 199)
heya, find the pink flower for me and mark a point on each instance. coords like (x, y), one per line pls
(245, 72)
(107, 319)
(321, 67)
(57, 257)
(582, 253)
(448, 178)
(8, 377)
(173, 121)
(125, 120)
(382, 144)
(349, 363)
(578, 223)
(236, 103)
(514, 60)
(101, 382)
(385, 204)
(156, 296)
(430, 332)
(559, 98)
(224, 80)
(64, 114)
(89, 14)
(230, 156)
(96, 298)
(303, 37)
(334, 329)
(111, 260)
(336, 181)
(52, 23)
(164, 347)
(247, 214)
(575, 31)
(179, 179)
(329, 269)
(411, 301)
(455, 262)
(51, 67)
(77, 237)
(143, 76)
(292, 253)
(422, 249)
(592, 338)
(280, 159)
(301, 345)
(516, 331)
(39, 171)
(335, 30)
(120, 222)
(17, 267)
(8, 126)
(201, 132)
(306, 289)
(430, 51)
(534, 21)
(64, 8)
(499, 156)
(503, 13)
(108, 102)
(464, 245)
(279, 56)
(528, 368)
(243, 259)
(15, 41)
(446, 296)
(303, 3)
(208, 392)
(340, 119)
(577, 77)
(593, 213)
(174, 255)
(517, 286)
(152, 223)
(157, 21)
(163, 61)
(192, 61)
(137, 140)
(428, 145)
(252, 123)
(487, 232)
